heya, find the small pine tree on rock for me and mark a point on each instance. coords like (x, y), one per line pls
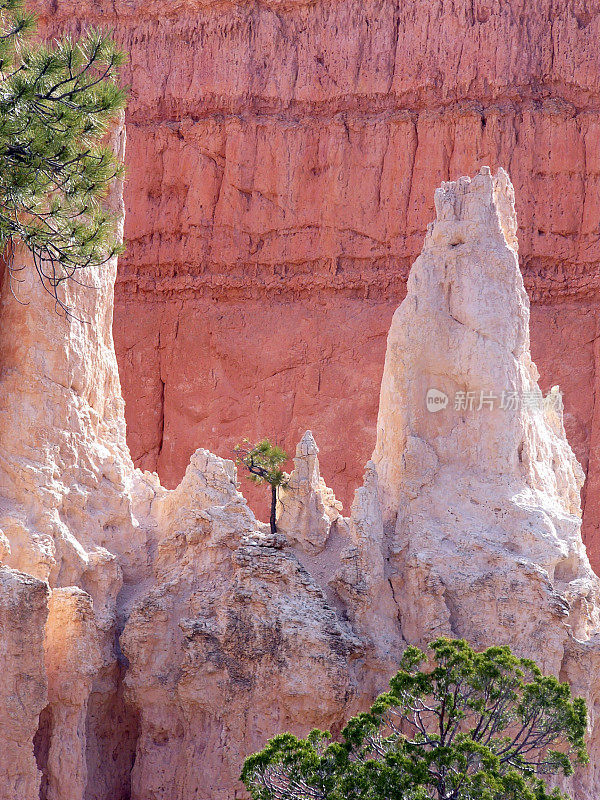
(263, 461)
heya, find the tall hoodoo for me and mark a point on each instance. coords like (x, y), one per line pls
(306, 506)
(66, 520)
(478, 485)
(462, 335)
(65, 468)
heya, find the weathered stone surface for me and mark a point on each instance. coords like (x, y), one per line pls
(363, 584)
(282, 162)
(467, 523)
(307, 508)
(65, 514)
(73, 656)
(481, 502)
(64, 464)
(228, 644)
(23, 684)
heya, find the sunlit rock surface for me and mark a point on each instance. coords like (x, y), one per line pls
(282, 160)
(152, 638)
(480, 497)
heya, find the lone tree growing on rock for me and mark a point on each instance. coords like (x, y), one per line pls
(485, 726)
(57, 103)
(263, 461)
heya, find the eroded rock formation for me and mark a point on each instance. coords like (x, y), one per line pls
(307, 508)
(282, 161)
(480, 497)
(65, 513)
(23, 684)
(155, 637)
(229, 615)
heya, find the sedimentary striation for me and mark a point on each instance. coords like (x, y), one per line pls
(282, 160)
(154, 637)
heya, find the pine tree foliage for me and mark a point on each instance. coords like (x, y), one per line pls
(461, 726)
(57, 103)
(263, 461)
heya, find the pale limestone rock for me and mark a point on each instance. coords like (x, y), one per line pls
(306, 507)
(346, 557)
(65, 469)
(65, 510)
(310, 523)
(4, 547)
(228, 644)
(23, 684)
(73, 659)
(365, 588)
(481, 507)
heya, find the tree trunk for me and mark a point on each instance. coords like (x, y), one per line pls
(273, 509)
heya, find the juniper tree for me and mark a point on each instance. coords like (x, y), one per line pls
(463, 726)
(263, 461)
(57, 103)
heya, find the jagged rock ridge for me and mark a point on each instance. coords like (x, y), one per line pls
(153, 638)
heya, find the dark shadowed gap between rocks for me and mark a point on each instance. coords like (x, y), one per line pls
(112, 730)
(41, 748)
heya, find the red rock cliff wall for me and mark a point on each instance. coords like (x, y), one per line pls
(282, 160)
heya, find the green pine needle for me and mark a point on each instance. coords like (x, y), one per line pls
(57, 104)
